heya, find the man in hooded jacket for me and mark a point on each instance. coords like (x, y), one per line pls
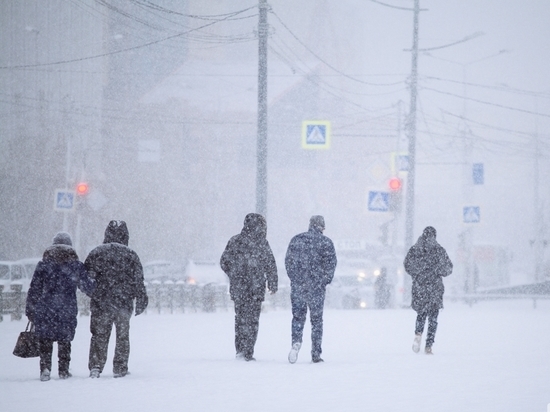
(52, 305)
(249, 263)
(310, 264)
(118, 274)
(427, 262)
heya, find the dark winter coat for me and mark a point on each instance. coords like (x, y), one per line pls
(310, 260)
(249, 262)
(427, 262)
(51, 300)
(118, 273)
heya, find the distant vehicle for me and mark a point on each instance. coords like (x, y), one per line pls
(204, 272)
(163, 270)
(12, 275)
(353, 285)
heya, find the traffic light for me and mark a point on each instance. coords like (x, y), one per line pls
(395, 184)
(82, 189)
(395, 199)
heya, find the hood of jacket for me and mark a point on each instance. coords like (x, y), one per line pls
(117, 232)
(255, 226)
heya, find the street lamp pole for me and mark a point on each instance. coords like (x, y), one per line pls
(261, 173)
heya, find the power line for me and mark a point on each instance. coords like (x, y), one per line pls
(122, 50)
(498, 88)
(324, 61)
(487, 103)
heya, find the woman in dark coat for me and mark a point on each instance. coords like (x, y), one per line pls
(51, 302)
(427, 262)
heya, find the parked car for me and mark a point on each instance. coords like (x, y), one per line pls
(14, 275)
(30, 265)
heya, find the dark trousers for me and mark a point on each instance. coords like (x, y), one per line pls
(101, 325)
(63, 354)
(247, 323)
(431, 314)
(302, 300)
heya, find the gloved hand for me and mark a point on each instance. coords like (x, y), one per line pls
(141, 305)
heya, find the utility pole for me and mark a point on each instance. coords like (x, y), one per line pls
(409, 219)
(261, 151)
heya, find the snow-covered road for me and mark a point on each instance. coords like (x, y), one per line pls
(494, 356)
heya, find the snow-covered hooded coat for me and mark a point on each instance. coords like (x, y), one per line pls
(118, 273)
(249, 262)
(51, 300)
(310, 259)
(427, 262)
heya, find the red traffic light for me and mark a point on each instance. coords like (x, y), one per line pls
(395, 184)
(82, 189)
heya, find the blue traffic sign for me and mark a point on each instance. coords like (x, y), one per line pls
(379, 201)
(64, 200)
(471, 214)
(315, 134)
(477, 173)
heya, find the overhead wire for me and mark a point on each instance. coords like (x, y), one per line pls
(486, 103)
(498, 88)
(323, 60)
(148, 44)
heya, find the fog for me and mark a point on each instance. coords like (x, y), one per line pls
(154, 105)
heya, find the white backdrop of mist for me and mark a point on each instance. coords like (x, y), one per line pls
(104, 77)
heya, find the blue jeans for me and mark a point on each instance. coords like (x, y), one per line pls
(302, 300)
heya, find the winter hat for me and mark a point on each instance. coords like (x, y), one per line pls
(317, 222)
(62, 238)
(429, 232)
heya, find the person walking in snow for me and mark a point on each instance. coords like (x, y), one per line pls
(250, 265)
(427, 263)
(118, 274)
(51, 302)
(310, 263)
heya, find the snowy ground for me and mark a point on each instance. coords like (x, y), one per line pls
(494, 356)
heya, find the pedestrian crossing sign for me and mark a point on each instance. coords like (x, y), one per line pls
(471, 214)
(378, 201)
(315, 134)
(64, 200)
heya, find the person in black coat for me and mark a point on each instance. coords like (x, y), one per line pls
(427, 262)
(119, 280)
(249, 263)
(51, 302)
(310, 264)
(382, 290)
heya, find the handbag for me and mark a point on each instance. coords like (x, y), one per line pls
(27, 343)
